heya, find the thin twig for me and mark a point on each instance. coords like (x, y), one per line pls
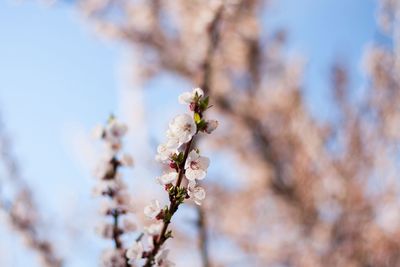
(173, 207)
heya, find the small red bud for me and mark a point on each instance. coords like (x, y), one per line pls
(160, 216)
(192, 106)
(173, 165)
(168, 186)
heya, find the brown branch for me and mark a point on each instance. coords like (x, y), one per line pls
(214, 38)
(203, 238)
(116, 232)
(173, 207)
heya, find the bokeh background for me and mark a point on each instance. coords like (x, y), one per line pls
(318, 188)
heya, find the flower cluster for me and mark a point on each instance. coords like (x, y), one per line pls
(111, 185)
(183, 161)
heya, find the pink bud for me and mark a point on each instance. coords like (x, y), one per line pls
(168, 186)
(160, 215)
(173, 165)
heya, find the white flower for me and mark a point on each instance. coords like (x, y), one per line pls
(113, 257)
(211, 126)
(113, 134)
(153, 229)
(165, 151)
(167, 178)
(115, 130)
(162, 259)
(196, 166)
(135, 252)
(172, 143)
(196, 193)
(181, 129)
(150, 241)
(153, 209)
(189, 97)
(127, 160)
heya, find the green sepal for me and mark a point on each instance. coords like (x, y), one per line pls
(178, 158)
(167, 215)
(181, 194)
(203, 104)
(201, 126)
(168, 234)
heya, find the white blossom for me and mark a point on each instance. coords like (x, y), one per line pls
(153, 209)
(211, 126)
(112, 185)
(196, 166)
(113, 258)
(167, 178)
(172, 143)
(153, 229)
(164, 152)
(162, 259)
(189, 97)
(135, 252)
(196, 193)
(113, 134)
(115, 130)
(181, 129)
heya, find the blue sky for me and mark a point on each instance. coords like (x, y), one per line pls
(56, 77)
(53, 74)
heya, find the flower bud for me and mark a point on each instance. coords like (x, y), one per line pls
(211, 126)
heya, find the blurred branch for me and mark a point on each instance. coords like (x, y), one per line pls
(21, 211)
(203, 239)
(213, 41)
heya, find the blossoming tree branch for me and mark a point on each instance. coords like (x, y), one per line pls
(186, 167)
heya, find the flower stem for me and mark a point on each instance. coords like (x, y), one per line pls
(173, 207)
(116, 232)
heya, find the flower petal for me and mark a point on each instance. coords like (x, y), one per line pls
(185, 98)
(192, 175)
